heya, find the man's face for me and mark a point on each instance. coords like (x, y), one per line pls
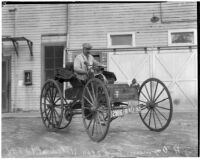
(86, 51)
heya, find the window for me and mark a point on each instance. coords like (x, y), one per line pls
(53, 60)
(182, 37)
(117, 40)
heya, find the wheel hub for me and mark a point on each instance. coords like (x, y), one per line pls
(93, 109)
(95, 106)
(151, 104)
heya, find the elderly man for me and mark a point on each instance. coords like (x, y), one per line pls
(82, 61)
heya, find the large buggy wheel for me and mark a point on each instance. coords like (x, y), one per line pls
(96, 109)
(156, 104)
(51, 105)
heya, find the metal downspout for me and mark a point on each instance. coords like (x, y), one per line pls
(14, 87)
(67, 37)
(65, 54)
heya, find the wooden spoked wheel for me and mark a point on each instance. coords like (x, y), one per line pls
(156, 104)
(96, 109)
(51, 105)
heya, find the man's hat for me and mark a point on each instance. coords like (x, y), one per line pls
(87, 45)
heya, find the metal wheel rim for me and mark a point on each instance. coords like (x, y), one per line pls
(50, 125)
(154, 112)
(98, 116)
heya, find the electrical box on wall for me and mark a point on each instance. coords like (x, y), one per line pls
(27, 77)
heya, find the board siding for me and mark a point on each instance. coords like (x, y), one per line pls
(31, 21)
(88, 22)
(92, 22)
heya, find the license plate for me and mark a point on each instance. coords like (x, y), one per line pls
(132, 107)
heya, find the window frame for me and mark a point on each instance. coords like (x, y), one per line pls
(180, 31)
(109, 40)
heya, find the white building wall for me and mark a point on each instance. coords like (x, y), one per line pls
(91, 22)
(88, 22)
(31, 21)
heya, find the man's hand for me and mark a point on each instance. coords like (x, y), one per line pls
(86, 63)
(90, 73)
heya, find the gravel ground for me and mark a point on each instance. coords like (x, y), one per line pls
(127, 137)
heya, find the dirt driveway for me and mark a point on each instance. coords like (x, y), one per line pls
(127, 137)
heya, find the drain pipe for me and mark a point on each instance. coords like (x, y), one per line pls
(67, 37)
(14, 85)
(65, 53)
(69, 59)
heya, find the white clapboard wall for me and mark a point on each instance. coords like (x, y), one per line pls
(30, 21)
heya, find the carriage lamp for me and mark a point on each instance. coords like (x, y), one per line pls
(154, 19)
(27, 77)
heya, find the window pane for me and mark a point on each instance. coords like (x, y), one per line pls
(59, 51)
(49, 63)
(58, 62)
(49, 50)
(49, 74)
(121, 39)
(3, 76)
(183, 37)
(3, 101)
(53, 60)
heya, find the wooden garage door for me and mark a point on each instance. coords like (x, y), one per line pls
(176, 68)
(129, 65)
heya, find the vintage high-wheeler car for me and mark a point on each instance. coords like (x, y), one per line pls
(100, 101)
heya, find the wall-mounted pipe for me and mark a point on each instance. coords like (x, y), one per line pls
(15, 61)
(67, 26)
(65, 54)
(67, 35)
